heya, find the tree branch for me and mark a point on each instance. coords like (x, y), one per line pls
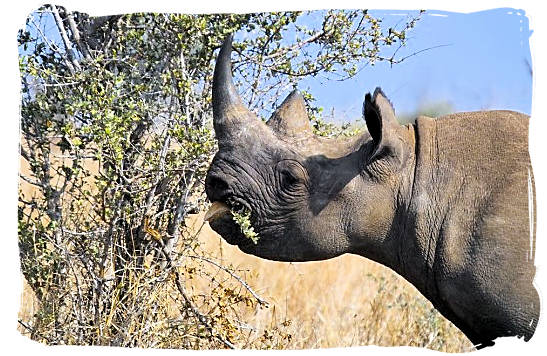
(202, 318)
(392, 60)
(30, 181)
(84, 48)
(73, 64)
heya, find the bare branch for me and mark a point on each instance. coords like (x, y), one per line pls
(50, 44)
(202, 318)
(85, 233)
(30, 181)
(33, 330)
(392, 60)
(239, 279)
(73, 64)
(84, 48)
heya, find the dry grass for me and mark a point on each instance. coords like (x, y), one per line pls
(346, 301)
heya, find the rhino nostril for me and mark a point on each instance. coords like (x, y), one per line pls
(217, 188)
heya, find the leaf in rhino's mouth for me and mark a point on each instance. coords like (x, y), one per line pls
(243, 219)
(241, 215)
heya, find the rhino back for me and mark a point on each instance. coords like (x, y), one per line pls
(474, 180)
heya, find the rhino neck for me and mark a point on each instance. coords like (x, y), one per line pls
(408, 246)
(388, 244)
(420, 221)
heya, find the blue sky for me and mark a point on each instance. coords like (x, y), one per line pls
(486, 64)
(471, 61)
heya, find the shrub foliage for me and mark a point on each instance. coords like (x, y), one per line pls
(116, 137)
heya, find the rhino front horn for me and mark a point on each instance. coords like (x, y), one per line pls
(230, 116)
(291, 117)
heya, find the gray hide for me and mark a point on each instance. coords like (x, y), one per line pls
(447, 203)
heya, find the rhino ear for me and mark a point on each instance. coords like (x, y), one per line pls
(383, 128)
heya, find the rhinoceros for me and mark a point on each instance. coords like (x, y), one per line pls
(447, 203)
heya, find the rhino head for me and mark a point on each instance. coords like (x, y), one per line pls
(310, 198)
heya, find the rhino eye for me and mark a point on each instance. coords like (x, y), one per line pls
(290, 173)
(288, 177)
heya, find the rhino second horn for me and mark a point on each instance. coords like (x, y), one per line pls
(291, 117)
(229, 113)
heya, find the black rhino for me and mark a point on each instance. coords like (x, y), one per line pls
(447, 203)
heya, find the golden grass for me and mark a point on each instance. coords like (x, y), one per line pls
(342, 302)
(345, 301)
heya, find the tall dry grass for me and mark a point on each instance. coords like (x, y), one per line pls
(345, 301)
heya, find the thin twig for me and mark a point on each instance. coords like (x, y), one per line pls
(86, 233)
(30, 181)
(239, 279)
(53, 46)
(393, 61)
(202, 318)
(34, 331)
(60, 84)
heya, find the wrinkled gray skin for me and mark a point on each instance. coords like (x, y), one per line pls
(443, 202)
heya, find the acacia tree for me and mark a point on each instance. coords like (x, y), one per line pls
(116, 136)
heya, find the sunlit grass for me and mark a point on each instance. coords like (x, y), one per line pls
(346, 301)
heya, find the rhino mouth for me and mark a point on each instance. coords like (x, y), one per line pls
(216, 211)
(221, 220)
(225, 206)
